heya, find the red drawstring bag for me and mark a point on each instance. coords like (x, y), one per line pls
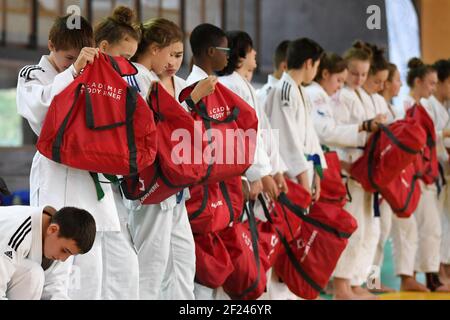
(213, 207)
(268, 236)
(297, 197)
(175, 167)
(388, 152)
(212, 261)
(332, 188)
(248, 279)
(403, 193)
(307, 262)
(99, 123)
(230, 125)
(428, 164)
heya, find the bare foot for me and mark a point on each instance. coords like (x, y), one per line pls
(346, 295)
(443, 288)
(444, 273)
(363, 293)
(411, 284)
(383, 289)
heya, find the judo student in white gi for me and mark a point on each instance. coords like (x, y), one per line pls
(391, 90)
(242, 58)
(289, 110)
(439, 113)
(34, 241)
(369, 93)
(352, 269)
(279, 67)
(329, 80)
(162, 233)
(50, 182)
(331, 132)
(417, 240)
(119, 36)
(210, 54)
(210, 50)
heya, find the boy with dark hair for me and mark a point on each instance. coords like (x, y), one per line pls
(33, 242)
(289, 110)
(210, 55)
(279, 67)
(71, 49)
(210, 52)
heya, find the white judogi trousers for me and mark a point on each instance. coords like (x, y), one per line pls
(166, 252)
(110, 270)
(357, 258)
(205, 293)
(385, 231)
(27, 282)
(445, 219)
(417, 240)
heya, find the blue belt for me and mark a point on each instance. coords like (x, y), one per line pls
(315, 158)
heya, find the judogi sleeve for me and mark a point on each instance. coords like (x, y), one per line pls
(7, 269)
(283, 116)
(272, 145)
(11, 255)
(314, 142)
(261, 166)
(34, 98)
(329, 131)
(440, 140)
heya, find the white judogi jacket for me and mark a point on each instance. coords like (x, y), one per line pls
(245, 90)
(329, 131)
(441, 118)
(52, 183)
(261, 164)
(351, 111)
(375, 104)
(21, 238)
(289, 110)
(263, 92)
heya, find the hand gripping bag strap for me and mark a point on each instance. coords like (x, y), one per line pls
(265, 209)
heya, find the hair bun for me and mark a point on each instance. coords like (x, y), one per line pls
(415, 63)
(376, 51)
(123, 15)
(361, 45)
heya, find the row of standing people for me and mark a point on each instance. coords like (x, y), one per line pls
(148, 251)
